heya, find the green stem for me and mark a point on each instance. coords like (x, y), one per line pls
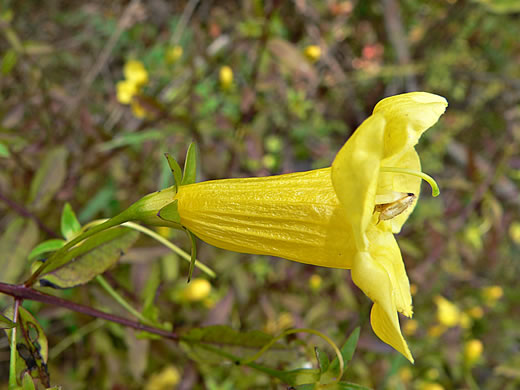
(430, 180)
(12, 362)
(119, 299)
(300, 330)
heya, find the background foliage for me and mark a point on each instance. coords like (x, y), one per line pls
(65, 137)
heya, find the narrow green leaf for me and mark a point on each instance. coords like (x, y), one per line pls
(33, 347)
(46, 246)
(4, 151)
(323, 359)
(134, 139)
(16, 242)
(69, 223)
(27, 382)
(8, 62)
(6, 323)
(93, 257)
(347, 351)
(170, 212)
(225, 335)
(100, 201)
(190, 165)
(49, 177)
(176, 170)
(193, 253)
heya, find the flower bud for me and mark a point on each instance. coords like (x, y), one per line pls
(226, 77)
(312, 52)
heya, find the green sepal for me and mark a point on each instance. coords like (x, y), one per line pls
(170, 212)
(176, 170)
(193, 252)
(190, 165)
(27, 382)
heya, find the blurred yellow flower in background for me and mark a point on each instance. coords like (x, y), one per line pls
(173, 54)
(312, 52)
(126, 90)
(197, 290)
(448, 314)
(167, 379)
(226, 77)
(473, 351)
(134, 71)
(492, 294)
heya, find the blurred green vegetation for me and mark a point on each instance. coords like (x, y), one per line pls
(65, 137)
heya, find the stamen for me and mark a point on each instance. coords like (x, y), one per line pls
(430, 180)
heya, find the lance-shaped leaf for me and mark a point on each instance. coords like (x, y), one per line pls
(190, 165)
(46, 246)
(69, 223)
(93, 257)
(33, 347)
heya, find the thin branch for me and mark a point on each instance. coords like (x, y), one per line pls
(22, 292)
(26, 213)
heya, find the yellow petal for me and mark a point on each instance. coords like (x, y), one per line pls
(295, 216)
(385, 252)
(407, 117)
(355, 173)
(386, 327)
(381, 276)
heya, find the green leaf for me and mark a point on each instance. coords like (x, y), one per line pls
(46, 246)
(225, 335)
(190, 165)
(347, 351)
(100, 201)
(27, 382)
(170, 212)
(33, 348)
(69, 223)
(4, 151)
(6, 323)
(323, 360)
(134, 139)
(176, 170)
(193, 253)
(9, 61)
(17, 240)
(49, 177)
(93, 257)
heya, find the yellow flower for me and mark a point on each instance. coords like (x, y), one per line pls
(492, 294)
(447, 313)
(138, 110)
(473, 351)
(432, 386)
(197, 290)
(173, 54)
(344, 216)
(126, 90)
(327, 217)
(315, 282)
(226, 77)
(312, 52)
(135, 72)
(166, 379)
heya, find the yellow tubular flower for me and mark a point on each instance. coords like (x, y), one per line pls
(333, 217)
